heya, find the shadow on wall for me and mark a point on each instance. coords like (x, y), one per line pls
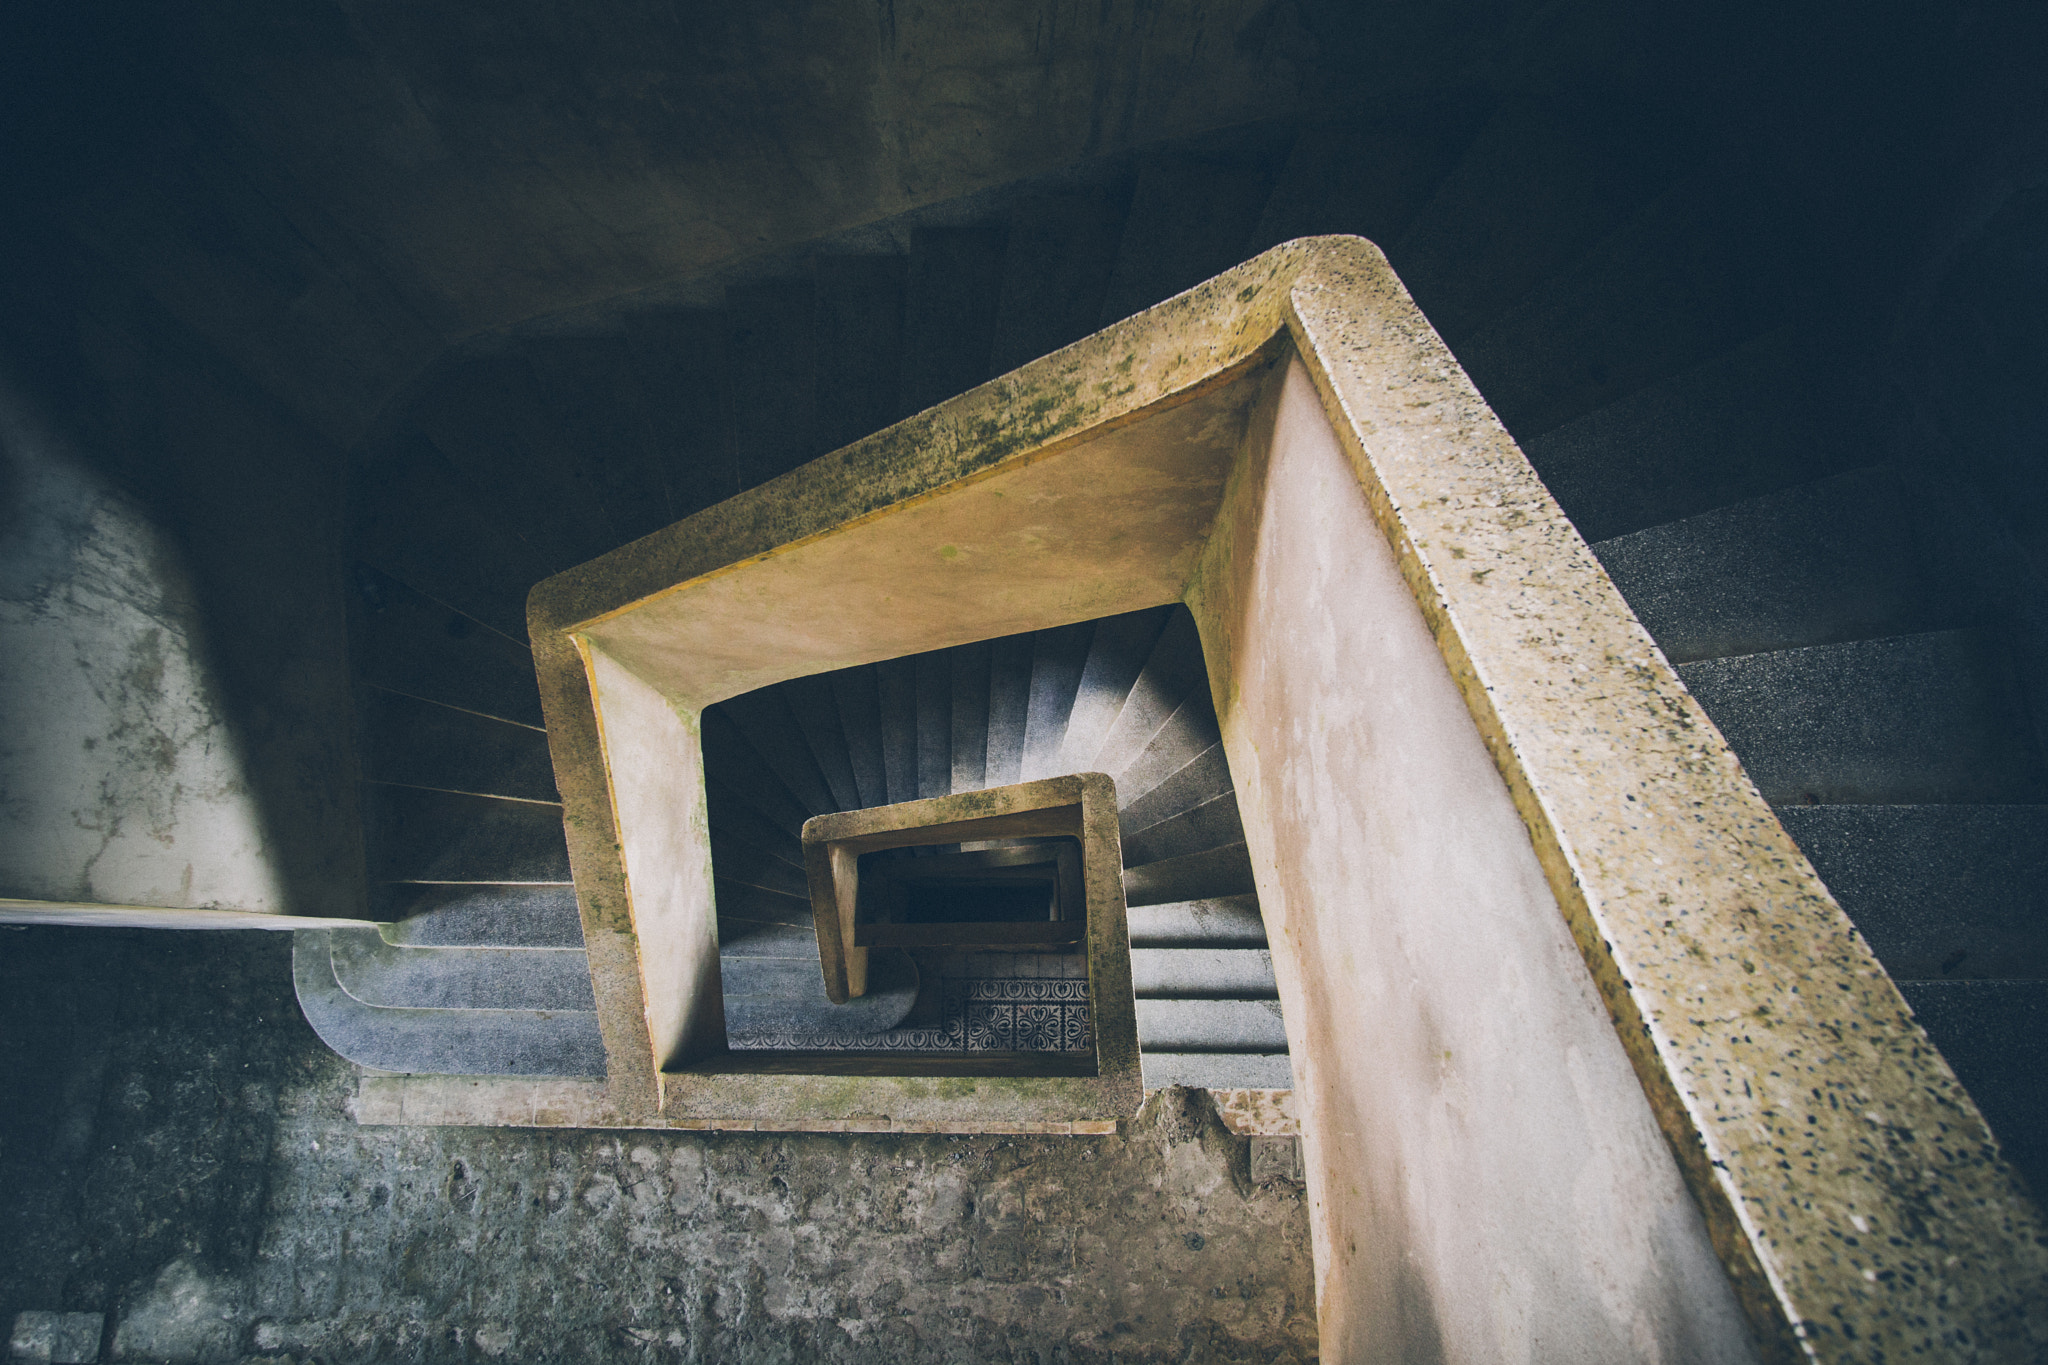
(171, 666)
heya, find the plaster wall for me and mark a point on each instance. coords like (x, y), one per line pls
(1487, 1179)
(120, 778)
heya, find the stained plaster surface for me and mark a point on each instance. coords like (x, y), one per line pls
(1855, 1195)
(120, 779)
(180, 1153)
(1506, 1144)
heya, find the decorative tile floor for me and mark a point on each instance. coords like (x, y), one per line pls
(984, 1005)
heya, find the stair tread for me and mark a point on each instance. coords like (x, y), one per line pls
(1366, 174)
(417, 835)
(1216, 1070)
(1688, 276)
(407, 642)
(1224, 922)
(771, 367)
(1116, 655)
(1212, 873)
(1939, 892)
(1818, 563)
(678, 357)
(1192, 215)
(1058, 657)
(1185, 973)
(1910, 719)
(1172, 671)
(1537, 185)
(1214, 823)
(1190, 732)
(485, 916)
(1995, 1036)
(1057, 263)
(442, 1042)
(426, 744)
(1211, 1026)
(1779, 410)
(398, 976)
(954, 288)
(1202, 778)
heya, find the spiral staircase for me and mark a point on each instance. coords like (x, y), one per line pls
(1646, 325)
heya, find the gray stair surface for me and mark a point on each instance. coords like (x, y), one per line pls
(1906, 719)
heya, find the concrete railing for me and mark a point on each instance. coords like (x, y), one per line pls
(1590, 1065)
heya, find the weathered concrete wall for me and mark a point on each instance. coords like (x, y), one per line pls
(121, 780)
(1489, 1182)
(173, 650)
(179, 1155)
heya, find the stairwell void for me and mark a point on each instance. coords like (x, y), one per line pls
(979, 952)
(1553, 975)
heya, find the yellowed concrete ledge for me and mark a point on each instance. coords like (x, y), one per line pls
(1852, 1191)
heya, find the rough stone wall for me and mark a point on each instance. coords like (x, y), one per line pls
(179, 1156)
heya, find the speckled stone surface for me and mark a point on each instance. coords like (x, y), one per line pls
(1852, 1189)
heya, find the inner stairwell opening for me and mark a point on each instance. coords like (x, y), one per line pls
(975, 949)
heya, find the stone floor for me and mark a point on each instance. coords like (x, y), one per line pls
(176, 1153)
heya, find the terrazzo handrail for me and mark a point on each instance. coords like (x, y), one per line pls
(1851, 1190)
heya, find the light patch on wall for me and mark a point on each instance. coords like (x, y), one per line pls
(120, 781)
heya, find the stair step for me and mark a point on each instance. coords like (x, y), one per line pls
(424, 528)
(1539, 184)
(1367, 174)
(968, 712)
(1056, 267)
(1994, 1034)
(1116, 655)
(740, 774)
(757, 938)
(1211, 874)
(1217, 1070)
(444, 1042)
(486, 416)
(1058, 658)
(433, 836)
(601, 438)
(1223, 922)
(404, 641)
(771, 363)
(1690, 275)
(1940, 892)
(679, 358)
(1190, 732)
(765, 722)
(955, 287)
(1211, 1026)
(737, 861)
(739, 900)
(483, 916)
(1202, 778)
(859, 347)
(1212, 824)
(1911, 719)
(396, 976)
(858, 693)
(1780, 410)
(1824, 562)
(1172, 671)
(934, 675)
(425, 744)
(782, 995)
(1192, 215)
(816, 712)
(1194, 973)
(896, 687)
(1009, 708)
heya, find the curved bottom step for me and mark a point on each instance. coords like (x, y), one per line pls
(435, 1041)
